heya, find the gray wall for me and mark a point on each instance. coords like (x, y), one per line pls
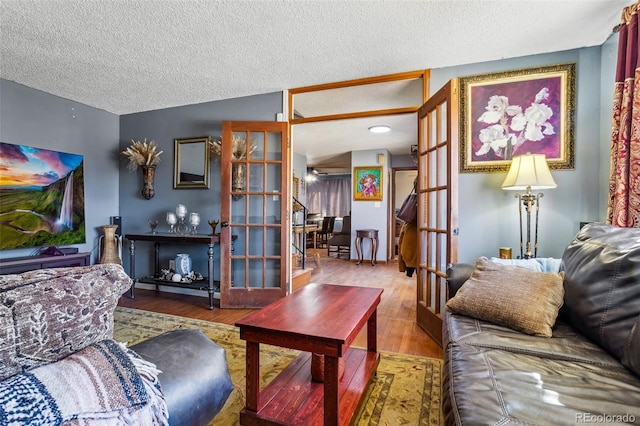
(163, 126)
(38, 119)
(488, 215)
(609, 54)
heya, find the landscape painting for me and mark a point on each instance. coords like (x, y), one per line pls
(41, 197)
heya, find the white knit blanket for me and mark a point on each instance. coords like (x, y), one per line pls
(103, 384)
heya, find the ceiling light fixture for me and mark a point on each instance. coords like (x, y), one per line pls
(380, 129)
(312, 175)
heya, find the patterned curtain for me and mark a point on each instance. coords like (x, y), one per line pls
(623, 208)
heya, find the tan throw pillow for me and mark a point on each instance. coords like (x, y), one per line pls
(511, 296)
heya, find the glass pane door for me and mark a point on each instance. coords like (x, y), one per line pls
(254, 194)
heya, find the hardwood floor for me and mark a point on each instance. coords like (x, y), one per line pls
(397, 329)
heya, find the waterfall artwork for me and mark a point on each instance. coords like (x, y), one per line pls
(41, 197)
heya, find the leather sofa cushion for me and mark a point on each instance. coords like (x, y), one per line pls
(494, 386)
(602, 276)
(194, 374)
(566, 343)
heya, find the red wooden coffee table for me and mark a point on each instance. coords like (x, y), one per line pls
(320, 318)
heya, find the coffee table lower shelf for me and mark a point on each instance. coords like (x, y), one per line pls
(292, 398)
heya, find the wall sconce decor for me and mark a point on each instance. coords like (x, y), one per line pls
(146, 155)
(528, 172)
(241, 150)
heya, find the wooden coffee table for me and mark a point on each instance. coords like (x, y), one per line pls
(319, 318)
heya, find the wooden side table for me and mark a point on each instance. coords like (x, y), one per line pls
(323, 319)
(372, 234)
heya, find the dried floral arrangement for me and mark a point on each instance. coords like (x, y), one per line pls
(142, 154)
(239, 151)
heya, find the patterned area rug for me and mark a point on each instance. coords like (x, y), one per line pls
(406, 390)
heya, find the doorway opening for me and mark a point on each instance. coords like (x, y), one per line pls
(330, 129)
(403, 181)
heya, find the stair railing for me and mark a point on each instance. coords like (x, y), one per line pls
(301, 251)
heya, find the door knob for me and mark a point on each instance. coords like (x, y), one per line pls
(224, 224)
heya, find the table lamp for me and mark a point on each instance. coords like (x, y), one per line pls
(528, 172)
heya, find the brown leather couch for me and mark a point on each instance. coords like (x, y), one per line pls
(587, 372)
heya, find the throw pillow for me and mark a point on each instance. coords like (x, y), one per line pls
(525, 263)
(511, 296)
(48, 314)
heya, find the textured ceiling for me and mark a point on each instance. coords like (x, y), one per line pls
(131, 56)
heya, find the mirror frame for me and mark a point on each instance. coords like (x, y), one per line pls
(178, 182)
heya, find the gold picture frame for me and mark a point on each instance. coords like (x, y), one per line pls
(296, 187)
(515, 112)
(367, 183)
(191, 163)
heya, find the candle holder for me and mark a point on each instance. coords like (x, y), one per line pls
(194, 221)
(181, 214)
(172, 219)
(153, 224)
(214, 225)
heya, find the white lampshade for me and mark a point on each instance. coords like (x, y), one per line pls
(529, 171)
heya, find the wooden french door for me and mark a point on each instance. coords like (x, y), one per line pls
(253, 218)
(437, 204)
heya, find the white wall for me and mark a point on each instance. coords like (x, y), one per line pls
(371, 214)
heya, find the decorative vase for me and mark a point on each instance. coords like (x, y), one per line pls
(147, 176)
(111, 245)
(183, 264)
(317, 367)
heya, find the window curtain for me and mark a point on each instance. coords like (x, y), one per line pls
(330, 195)
(623, 207)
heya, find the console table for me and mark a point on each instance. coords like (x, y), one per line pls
(206, 284)
(18, 265)
(372, 234)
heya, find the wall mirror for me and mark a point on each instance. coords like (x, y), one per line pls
(191, 168)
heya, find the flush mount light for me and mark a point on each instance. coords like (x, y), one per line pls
(379, 129)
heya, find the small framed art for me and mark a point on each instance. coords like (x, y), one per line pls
(367, 183)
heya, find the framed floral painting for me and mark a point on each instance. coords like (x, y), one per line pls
(367, 183)
(510, 113)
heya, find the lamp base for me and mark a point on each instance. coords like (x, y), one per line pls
(527, 201)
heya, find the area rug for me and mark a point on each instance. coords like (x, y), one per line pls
(406, 390)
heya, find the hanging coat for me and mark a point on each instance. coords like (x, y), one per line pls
(408, 246)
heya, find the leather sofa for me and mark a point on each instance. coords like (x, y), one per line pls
(195, 379)
(588, 371)
(56, 319)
